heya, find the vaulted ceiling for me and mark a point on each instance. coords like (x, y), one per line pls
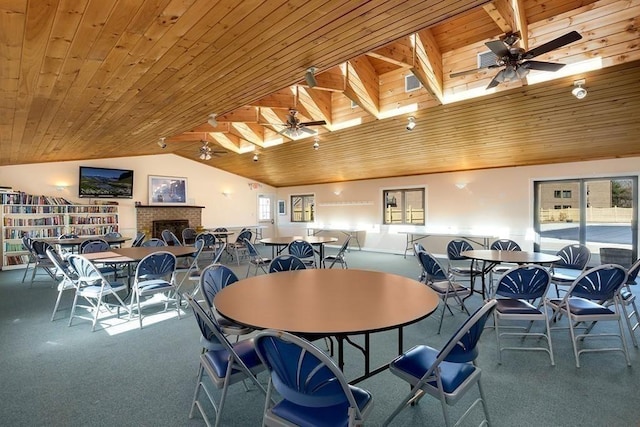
(87, 79)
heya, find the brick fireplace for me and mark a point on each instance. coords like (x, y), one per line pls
(147, 214)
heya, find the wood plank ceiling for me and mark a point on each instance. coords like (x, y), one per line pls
(88, 79)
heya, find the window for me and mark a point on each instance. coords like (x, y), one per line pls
(264, 208)
(596, 212)
(404, 206)
(302, 208)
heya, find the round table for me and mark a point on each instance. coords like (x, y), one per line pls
(323, 302)
(491, 258)
(279, 243)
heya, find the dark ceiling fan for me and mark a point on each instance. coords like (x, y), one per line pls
(206, 152)
(295, 128)
(516, 61)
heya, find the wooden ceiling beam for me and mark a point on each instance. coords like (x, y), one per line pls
(363, 85)
(427, 64)
(317, 103)
(521, 24)
(248, 114)
(399, 53)
(252, 132)
(232, 142)
(332, 80)
(501, 11)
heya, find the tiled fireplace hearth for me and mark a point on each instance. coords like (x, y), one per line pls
(147, 214)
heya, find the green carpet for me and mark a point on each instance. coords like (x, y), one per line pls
(55, 375)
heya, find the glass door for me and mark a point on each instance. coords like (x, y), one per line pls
(596, 212)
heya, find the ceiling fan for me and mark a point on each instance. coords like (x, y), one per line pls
(516, 61)
(206, 152)
(295, 128)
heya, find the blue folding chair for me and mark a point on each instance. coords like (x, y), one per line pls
(446, 374)
(286, 263)
(314, 390)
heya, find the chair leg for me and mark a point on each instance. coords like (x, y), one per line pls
(55, 307)
(484, 403)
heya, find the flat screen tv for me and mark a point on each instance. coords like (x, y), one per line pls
(105, 183)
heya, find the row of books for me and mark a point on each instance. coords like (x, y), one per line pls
(22, 198)
(92, 220)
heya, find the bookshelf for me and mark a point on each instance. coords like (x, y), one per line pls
(44, 217)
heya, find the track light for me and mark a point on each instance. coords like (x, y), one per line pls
(412, 123)
(161, 143)
(212, 120)
(578, 91)
(310, 77)
(255, 157)
(316, 143)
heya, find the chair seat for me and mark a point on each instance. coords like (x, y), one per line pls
(93, 291)
(464, 271)
(231, 328)
(417, 361)
(219, 359)
(153, 286)
(583, 307)
(332, 416)
(261, 261)
(515, 306)
(442, 287)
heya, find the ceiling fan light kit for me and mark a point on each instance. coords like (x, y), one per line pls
(578, 91)
(516, 61)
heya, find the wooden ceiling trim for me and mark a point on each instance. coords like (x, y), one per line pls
(427, 66)
(502, 13)
(362, 85)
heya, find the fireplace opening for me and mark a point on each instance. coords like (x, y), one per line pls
(174, 225)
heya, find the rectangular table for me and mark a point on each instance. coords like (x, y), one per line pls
(415, 234)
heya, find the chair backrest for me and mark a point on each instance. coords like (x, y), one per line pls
(528, 282)
(344, 247)
(153, 242)
(455, 247)
(301, 373)
(138, 240)
(27, 242)
(170, 239)
(632, 273)
(253, 252)
(432, 267)
(209, 328)
(87, 272)
(40, 248)
(286, 263)
(62, 267)
(599, 283)
(505, 245)
(244, 235)
(199, 247)
(157, 265)
(94, 245)
(462, 347)
(417, 247)
(112, 235)
(213, 279)
(189, 236)
(574, 256)
(301, 249)
(218, 253)
(208, 238)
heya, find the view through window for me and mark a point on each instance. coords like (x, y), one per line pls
(596, 212)
(404, 206)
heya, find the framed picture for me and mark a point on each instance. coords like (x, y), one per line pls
(282, 207)
(167, 190)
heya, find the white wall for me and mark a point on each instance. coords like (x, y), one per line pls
(498, 199)
(205, 186)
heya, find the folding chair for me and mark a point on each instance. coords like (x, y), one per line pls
(447, 374)
(224, 363)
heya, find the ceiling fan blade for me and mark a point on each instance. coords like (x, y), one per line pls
(543, 66)
(309, 131)
(496, 80)
(498, 47)
(552, 45)
(316, 123)
(475, 70)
